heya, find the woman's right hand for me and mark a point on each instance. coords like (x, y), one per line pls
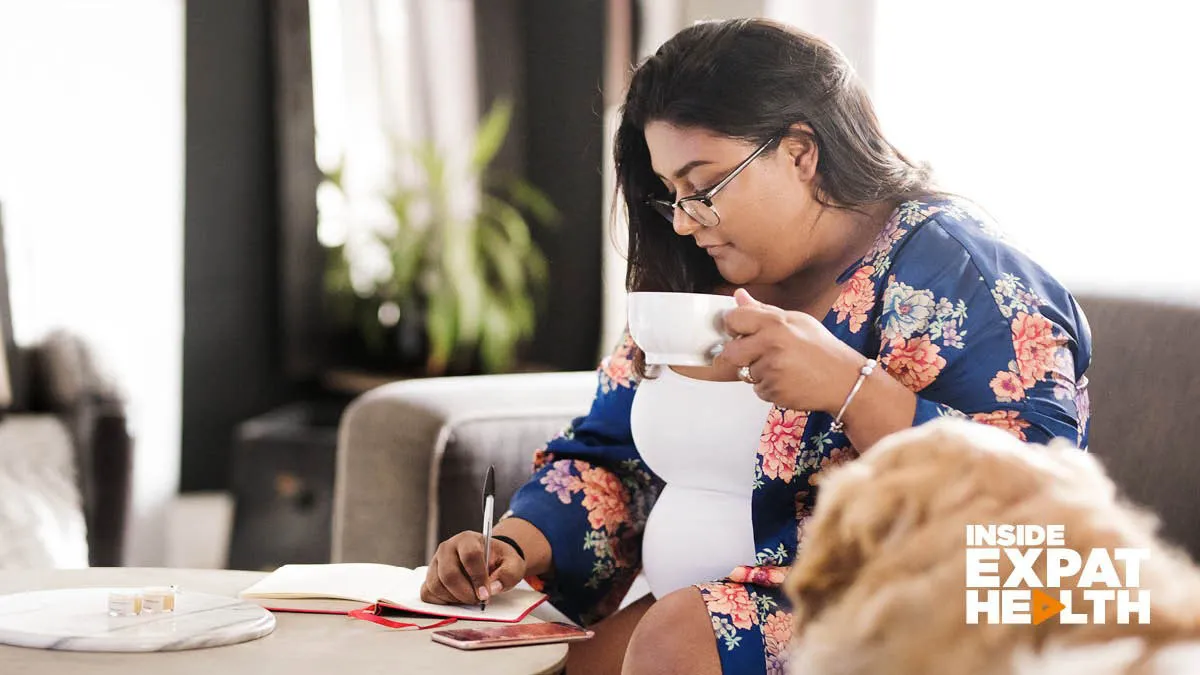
(458, 576)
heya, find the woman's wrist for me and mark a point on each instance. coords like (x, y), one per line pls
(864, 372)
(530, 541)
(516, 546)
(849, 368)
(882, 406)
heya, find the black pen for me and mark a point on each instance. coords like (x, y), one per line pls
(489, 505)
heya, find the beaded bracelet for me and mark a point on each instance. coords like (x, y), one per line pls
(867, 369)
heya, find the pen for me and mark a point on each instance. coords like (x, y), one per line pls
(489, 504)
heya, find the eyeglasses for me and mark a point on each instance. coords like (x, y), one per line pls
(699, 207)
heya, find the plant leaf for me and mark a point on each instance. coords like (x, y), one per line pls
(335, 174)
(524, 195)
(441, 319)
(498, 341)
(537, 268)
(490, 137)
(516, 229)
(505, 262)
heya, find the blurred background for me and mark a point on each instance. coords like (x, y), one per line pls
(223, 220)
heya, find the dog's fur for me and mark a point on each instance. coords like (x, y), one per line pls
(880, 577)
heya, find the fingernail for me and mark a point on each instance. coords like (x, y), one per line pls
(482, 593)
(717, 349)
(496, 587)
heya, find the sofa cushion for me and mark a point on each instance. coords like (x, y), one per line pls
(41, 513)
(1145, 389)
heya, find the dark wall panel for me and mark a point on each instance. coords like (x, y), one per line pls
(564, 127)
(231, 368)
(546, 54)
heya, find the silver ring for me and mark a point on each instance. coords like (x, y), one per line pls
(744, 375)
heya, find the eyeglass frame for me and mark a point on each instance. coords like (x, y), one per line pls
(706, 197)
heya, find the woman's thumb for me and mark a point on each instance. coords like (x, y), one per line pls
(744, 298)
(509, 573)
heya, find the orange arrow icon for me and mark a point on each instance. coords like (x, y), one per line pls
(1042, 606)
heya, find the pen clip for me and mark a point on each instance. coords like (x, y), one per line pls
(489, 484)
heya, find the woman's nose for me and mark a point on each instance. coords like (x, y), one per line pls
(683, 224)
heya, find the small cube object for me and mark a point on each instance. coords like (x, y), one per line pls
(124, 603)
(156, 599)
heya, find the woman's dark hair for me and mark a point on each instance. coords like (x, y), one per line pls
(748, 79)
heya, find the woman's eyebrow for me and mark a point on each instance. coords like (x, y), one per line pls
(687, 168)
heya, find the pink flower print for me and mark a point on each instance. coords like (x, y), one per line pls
(616, 371)
(541, 458)
(1007, 387)
(605, 499)
(777, 633)
(780, 443)
(729, 599)
(561, 482)
(1034, 343)
(836, 458)
(856, 299)
(770, 576)
(914, 363)
(1008, 420)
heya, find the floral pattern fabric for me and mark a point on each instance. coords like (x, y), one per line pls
(960, 317)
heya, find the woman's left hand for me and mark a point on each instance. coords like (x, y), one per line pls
(794, 361)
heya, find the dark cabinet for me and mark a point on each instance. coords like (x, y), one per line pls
(283, 473)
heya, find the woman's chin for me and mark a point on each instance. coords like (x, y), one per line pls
(736, 275)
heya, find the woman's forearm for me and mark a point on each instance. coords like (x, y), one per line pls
(538, 558)
(883, 406)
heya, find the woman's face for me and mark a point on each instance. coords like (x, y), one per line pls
(767, 211)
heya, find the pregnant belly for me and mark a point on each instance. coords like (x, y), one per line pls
(694, 536)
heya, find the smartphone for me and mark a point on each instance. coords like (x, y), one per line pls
(510, 635)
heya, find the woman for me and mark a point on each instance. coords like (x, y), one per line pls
(749, 157)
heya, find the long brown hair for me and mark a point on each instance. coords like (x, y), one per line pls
(748, 79)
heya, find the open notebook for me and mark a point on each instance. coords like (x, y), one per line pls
(397, 588)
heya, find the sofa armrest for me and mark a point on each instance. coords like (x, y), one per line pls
(411, 456)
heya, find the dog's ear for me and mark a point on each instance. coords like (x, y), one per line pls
(820, 575)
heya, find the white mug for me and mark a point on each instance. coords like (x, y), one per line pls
(678, 329)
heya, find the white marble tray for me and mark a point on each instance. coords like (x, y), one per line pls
(76, 619)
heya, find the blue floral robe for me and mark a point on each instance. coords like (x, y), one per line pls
(957, 315)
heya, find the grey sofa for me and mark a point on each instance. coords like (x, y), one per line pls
(411, 454)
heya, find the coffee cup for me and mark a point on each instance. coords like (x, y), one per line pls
(678, 329)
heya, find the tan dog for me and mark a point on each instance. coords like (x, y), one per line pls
(879, 583)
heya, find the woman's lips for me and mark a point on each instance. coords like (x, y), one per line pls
(716, 250)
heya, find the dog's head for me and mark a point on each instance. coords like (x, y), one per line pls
(902, 508)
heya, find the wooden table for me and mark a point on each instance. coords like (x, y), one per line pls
(302, 644)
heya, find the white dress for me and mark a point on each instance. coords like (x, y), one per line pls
(701, 438)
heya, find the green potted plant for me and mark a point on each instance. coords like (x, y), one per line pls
(462, 290)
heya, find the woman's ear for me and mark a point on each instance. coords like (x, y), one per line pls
(800, 146)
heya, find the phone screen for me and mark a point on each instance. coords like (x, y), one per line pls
(510, 635)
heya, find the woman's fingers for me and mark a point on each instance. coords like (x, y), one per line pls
(448, 578)
(433, 590)
(470, 555)
(457, 574)
(455, 581)
(743, 351)
(747, 320)
(510, 569)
